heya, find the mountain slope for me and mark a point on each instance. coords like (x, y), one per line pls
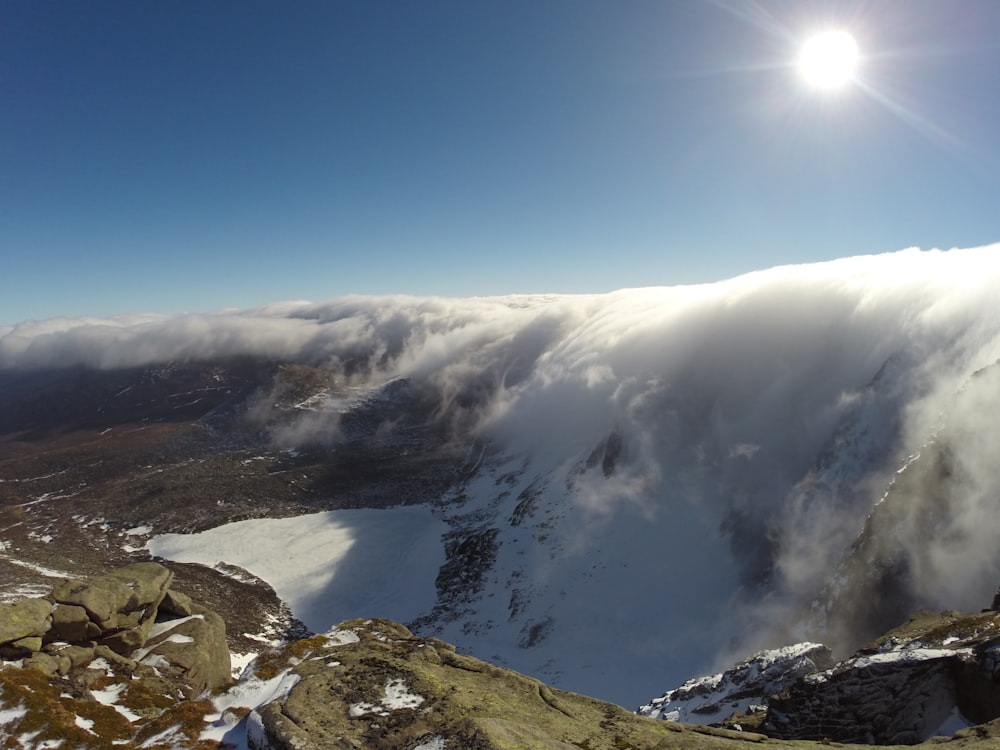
(634, 487)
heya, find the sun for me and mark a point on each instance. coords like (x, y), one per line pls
(828, 59)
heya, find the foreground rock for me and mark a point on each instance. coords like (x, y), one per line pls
(119, 613)
(364, 684)
(937, 675)
(107, 661)
(930, 676)
(372, 684)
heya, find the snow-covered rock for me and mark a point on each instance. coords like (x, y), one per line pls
(742, 689)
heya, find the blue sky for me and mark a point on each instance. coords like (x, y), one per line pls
(164, 157)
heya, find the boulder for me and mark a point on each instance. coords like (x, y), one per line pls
(175, 603)
(69, 623)
(24, 619)
(103, 597)
(149, 581)
(126, 641)
(113, 657)
(195, 646)
(78, 656)
(48, 664)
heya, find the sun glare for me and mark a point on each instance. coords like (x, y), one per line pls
(828, 60)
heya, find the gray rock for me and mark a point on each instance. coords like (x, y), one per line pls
(175, 603)
(103, 652)
(24, 619)
(47, 664)
(103, 597)
(78, 656)
(894, 703)
(899, 689)
(709, 700)
(32, 643)
(124, 642)
(148, 580)
(196, 647)
(69, 623)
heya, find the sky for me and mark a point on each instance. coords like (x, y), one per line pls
(189, 156)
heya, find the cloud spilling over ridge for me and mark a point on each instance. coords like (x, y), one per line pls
(746, 377)
(775, 407)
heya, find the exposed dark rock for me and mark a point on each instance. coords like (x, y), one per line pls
(901, 688)
(741, 688)
(899, 702)
(469, 557)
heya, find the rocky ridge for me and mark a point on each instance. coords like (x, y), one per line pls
(937, 674)
(935, 671)
(123, 660)
(741, 689)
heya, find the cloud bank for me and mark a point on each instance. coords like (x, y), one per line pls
(770, 411)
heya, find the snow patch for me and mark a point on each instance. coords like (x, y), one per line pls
(250, 692)
(7, 715)
(109, 697)
(396, 696)
(954, 722)
(85, 724)
(329, 567)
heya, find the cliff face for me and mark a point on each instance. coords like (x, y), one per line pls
(916, 681)
(935, 675)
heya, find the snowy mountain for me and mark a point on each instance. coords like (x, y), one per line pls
(743, 689)
(613, 493)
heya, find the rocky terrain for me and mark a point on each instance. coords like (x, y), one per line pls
(92, 463)
(937, 674)
(125, 660)
(117, 659)
(610, 494)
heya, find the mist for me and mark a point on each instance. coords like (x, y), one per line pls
(771, 412)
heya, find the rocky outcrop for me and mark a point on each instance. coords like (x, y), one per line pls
(192, 648)
(120, 616)
(373, 684)
(936, 672)
(741, 689)
(23, 625)
(901, 700)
